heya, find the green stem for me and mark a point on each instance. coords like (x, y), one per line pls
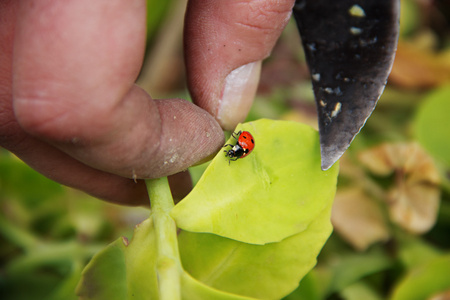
(48, 254)
(168, 258)
(17, 235)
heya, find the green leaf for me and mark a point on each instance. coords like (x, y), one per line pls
(414, 251)
(409, 14)
(123, 272)
(354, 267)
(268, 271)
(273, 193)
(425, 281)
(65, 289)
(193, 289)
(218, 267)
(359, 291)
(129, 272)
(39, 189)
(156, 10)
(310, 288)
(432, 124)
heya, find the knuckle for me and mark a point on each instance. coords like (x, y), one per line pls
(38, 115)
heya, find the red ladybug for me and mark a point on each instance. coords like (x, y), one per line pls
(245, 145)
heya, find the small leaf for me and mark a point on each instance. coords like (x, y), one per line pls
(127, 270)
(360, 290)
(409, 14)
(268, 271)
(432, 124)
(425, 281)
(351, 268)
(311, 288)
(123, 271)
(414, 251)
(273, 193)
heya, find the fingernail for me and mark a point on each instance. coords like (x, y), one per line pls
(238, 94)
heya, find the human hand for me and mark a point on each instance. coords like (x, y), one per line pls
(70, 109)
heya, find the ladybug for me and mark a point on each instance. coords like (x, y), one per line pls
(245, 144)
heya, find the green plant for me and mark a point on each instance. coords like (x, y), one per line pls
(251, 229)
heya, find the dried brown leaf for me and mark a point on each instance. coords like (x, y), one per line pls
(418, 68)
(358, 219)
(445, 295)
(413, 199)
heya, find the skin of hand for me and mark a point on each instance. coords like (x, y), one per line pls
(69, 107)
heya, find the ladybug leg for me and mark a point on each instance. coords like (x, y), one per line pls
(236, 135)
(226, 149)
(232, 159)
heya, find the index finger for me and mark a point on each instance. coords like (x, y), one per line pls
(75, 63)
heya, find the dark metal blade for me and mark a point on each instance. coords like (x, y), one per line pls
(350, 47)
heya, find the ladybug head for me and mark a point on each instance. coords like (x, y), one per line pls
(236, 152)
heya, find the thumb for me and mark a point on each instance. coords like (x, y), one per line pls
(225, 42)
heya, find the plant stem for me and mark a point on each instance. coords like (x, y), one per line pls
(50, 254)
(168, 258)
(17, 235)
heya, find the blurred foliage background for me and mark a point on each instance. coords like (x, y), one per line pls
(392, 209)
